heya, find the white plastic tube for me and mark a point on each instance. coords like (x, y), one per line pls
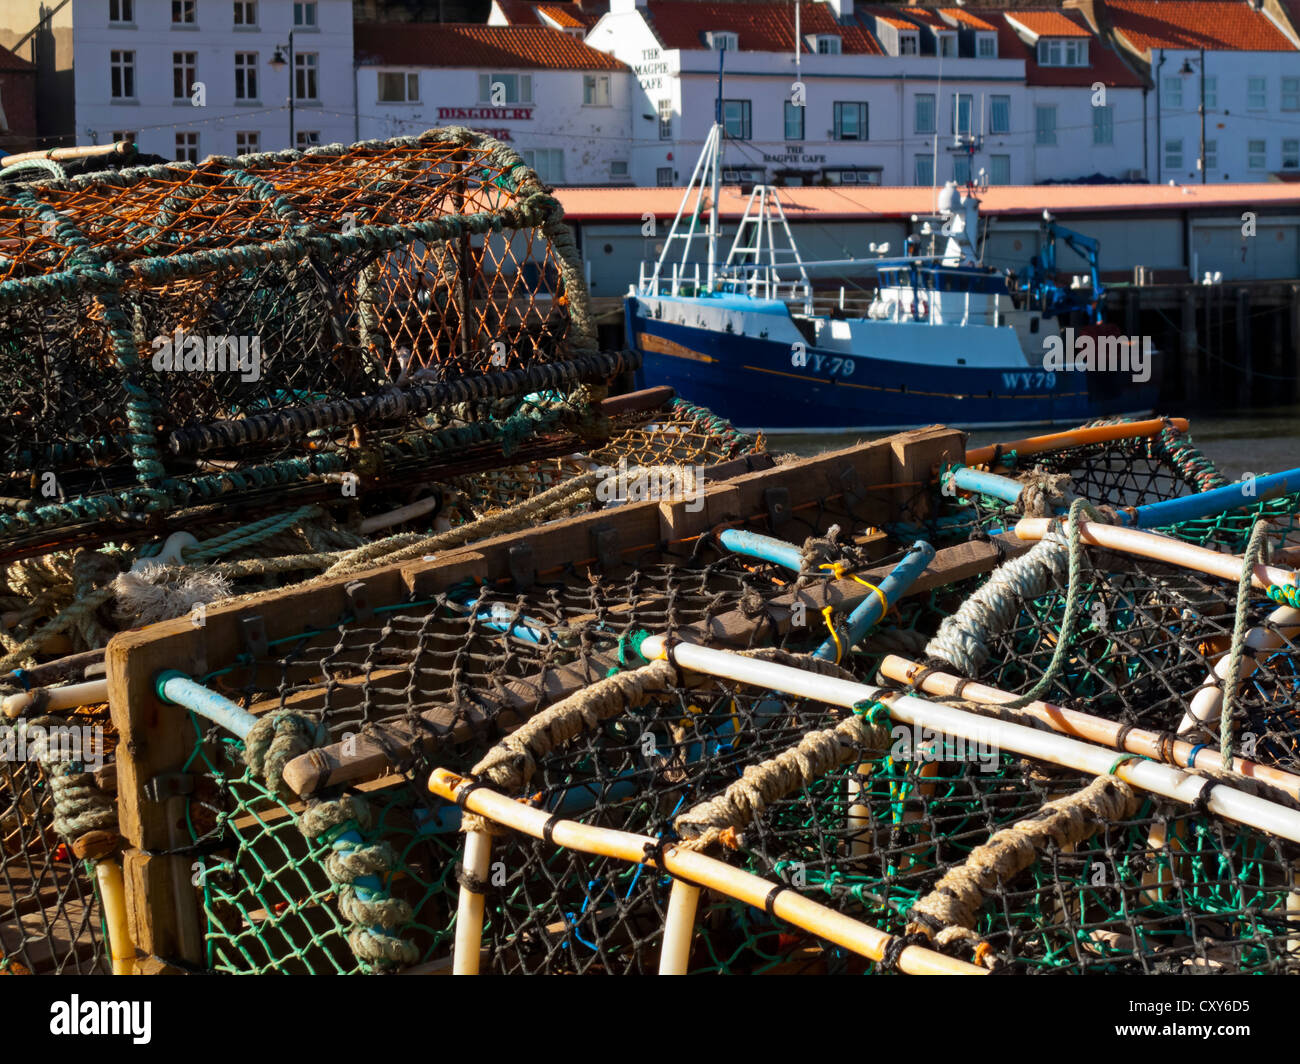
(1162, 549)
(469, 910)
(1150, 776)
(70, 697)
(1208, 701)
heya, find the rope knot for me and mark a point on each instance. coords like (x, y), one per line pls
(275, 740)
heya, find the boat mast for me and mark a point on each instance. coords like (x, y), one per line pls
(718, 129)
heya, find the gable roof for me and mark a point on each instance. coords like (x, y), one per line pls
(16, 63)
(926, 16)
(759, 27)
(969, 19)
(1048, 24)
(1104, 64)
(452, 44)
(1215, 25)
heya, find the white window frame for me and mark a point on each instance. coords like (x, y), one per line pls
(863, 112)
(531, 158)
(1291, 94)
(1256, 94)
(923, 162)
(665, 119)
(663, 177)
(305, 15)
(958, 100)
(800, 114)
(986, 45)
(409, 81)
(1257, 154)
(247, 7)
(306, 138)
(619, 169)
(596, 91)
(121, 67)
(827, 44)
(306, 76)
(1212, 93)
(1291, 153)
(1173, 153)
(723, 39)
(909, 42)
(947, 45)
(187, 141)
(1003, 127)
(930, 126)
(124, 134)
(252, 139)
(523, 86)
(746, 108)
(1211, 155)
(246, 65)
(1103, 124)
(1045, 132)
(1172, 95)
(184, 63)
(121, 12)
(183, 8)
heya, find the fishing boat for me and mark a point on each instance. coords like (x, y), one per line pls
(944, 339)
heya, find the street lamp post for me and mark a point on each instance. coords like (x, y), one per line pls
(1186, 70)
(277, 64)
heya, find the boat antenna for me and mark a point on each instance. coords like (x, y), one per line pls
(717, 172)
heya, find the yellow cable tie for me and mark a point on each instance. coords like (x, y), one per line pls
(839, 649)
(884, 602)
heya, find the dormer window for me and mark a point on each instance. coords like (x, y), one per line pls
(576, 31)
(986, 45)
(1055, 52)
(947, 45)
(909, 43)
(824, 43)
(723, 40)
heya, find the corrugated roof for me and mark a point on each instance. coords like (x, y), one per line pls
(843, 203)
(432, 44)
(1104, 64)
(1049, 23)
(968, 18)
(1216, 25)
(760, 27)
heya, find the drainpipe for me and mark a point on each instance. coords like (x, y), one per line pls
(356, 101)
(1160, 167)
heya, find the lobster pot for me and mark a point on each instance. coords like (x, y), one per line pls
(306, 838)
(181, 333)
(1149, 466)
(50, 917)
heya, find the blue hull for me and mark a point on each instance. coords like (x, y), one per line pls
(753, 384)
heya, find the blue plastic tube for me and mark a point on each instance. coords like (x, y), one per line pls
(1215, 501)
(1003, 488)
(753, 545)
(179, 690)
(498, 617)
(870, 610)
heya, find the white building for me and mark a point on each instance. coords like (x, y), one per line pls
(191, 78)
(895, 96)
(1243, 59)
(564, 107)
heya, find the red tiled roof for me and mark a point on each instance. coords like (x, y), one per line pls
(1218, 25)
(760, 27)
(888, 15)
(10, 61)
(1049, 23)
(449, 44)
(566, 16)
(848, 202)
(960, 14)
(519, 12)
(1104, 64)
(926, 15)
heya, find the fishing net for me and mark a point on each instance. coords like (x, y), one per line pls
(435, 682)
(50, 919)
(246, 328)
(1130, 472)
